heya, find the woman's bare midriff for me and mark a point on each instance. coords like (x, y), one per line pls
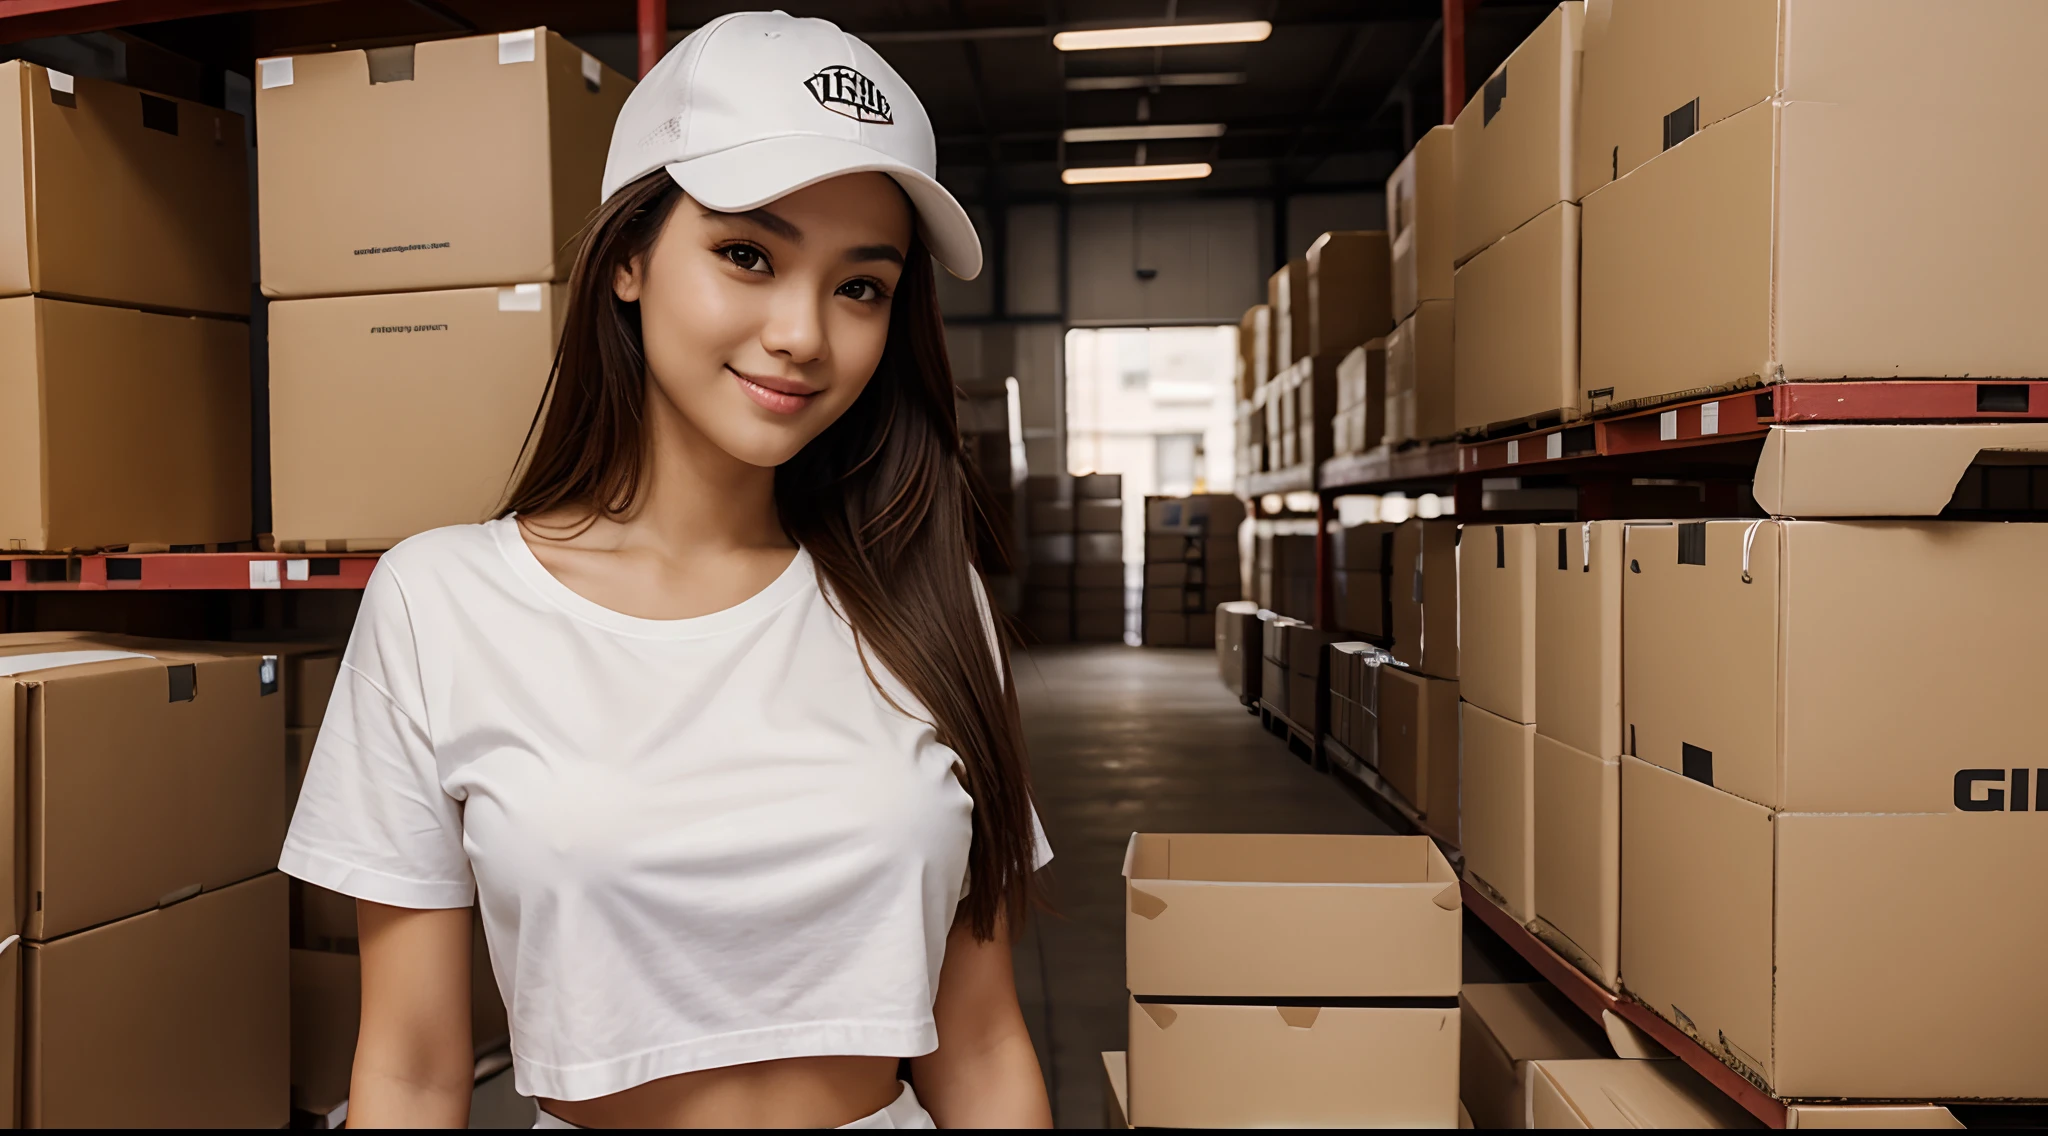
(798, 1092)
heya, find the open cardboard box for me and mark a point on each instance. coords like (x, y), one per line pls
(1883, 471)
(1291, 980)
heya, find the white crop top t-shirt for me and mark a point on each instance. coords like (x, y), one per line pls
(696, 842)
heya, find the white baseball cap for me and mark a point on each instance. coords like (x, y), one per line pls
(757, 105)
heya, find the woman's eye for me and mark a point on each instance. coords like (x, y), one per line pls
(745, 258)
(862, 290)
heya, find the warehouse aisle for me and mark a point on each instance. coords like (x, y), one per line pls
(1125, 739)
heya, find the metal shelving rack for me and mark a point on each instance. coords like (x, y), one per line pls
(185, 571)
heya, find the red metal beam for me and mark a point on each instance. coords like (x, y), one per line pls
(1454, 57)
(653, 27)
(34, 19)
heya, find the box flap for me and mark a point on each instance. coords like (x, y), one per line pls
(1878, 471)
(1614, 1093)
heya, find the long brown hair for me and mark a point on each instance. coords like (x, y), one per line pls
(883, 500)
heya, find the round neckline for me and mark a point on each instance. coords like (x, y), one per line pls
(786, 586)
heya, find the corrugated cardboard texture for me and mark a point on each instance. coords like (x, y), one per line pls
(1579, 573)
(1516, 346)
(1287, 297)
(1614, 1093)
(134, 797)
(1385, 911)
(1497, 619)
(391, 415)
(1785, 194)
(1789, 689)
(174, 1018)
(1696, 908)
(1502, 1027)
(1513, 143)
(1263, 1066)
(1645, 59)
(132, 427)
(1350, 291)
(1878, 471)
(472, 172)
(95, 205)
(1496, 796)
(1418, 743)
(1577, 847)
(1421, 202)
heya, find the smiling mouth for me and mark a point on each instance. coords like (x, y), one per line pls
(771, 398)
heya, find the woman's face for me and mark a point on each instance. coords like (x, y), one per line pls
(761, 328)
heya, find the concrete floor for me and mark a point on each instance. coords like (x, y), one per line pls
(1127, 739)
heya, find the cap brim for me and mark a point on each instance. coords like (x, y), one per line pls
(753, 174)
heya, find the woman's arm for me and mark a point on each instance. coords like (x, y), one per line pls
(984, 1073)
(414, 1066)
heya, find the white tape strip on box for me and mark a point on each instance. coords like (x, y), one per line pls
(46, 660)
(62, 82)
(274, 73)
(519, 298)
(515, 47)
(593, 73)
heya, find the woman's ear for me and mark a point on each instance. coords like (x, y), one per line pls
(626, 280)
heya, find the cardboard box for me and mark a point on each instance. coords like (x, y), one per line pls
(1101, 486)
(1880, 471)
(121, 196)
(1513, 145)
(1503, 1026)
(1237, 648)
(1421, 220)
(1050, 517)
(1274, 681)
(1818, 951)
(1497, 619)
(1422, 587)
(1361, 601)
(1516, 347)
(1287, 296)
(1049, 487)
(1418, 744)
(120, 427)
(1176, 599)
(1051, 548)
(1362, 383)
(370, 163)
(1770, 127)
(1577, 847)
(1099, 575)
(1420, 386)
(1315, 408)
(1098, 516)
(1254, 350)
(1214, 516)
(156, 773)
(1362, 547)
(1789, 690)
(1350, 297)
(1099, 548)
(326, 1011)
(1496, 806)
(1216, 552)
(1616, 1093)
(1579, 572)
(391, 415)
(1863, 1116)
(1257, 1049)
(1116, 1091)
(177, 1017)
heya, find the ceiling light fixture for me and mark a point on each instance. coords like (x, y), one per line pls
(1145, 82)
(1147, 132)
(1098, 175)
(1167, 35)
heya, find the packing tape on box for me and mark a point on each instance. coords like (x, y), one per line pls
(47, 660)
(519, 298)
(62, 82)
(273, 73)
(593, 73)
(515, 47)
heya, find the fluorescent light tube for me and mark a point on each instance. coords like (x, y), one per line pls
(1143, 82)
(1097, 175)
(1169, 35)
(1146, 132)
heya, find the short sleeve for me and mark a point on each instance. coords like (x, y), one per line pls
(1041, 848)
(373, 820)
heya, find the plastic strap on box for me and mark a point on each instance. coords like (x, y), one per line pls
(1748, 539)
(274, 73)
(519, 298)
(516, 47)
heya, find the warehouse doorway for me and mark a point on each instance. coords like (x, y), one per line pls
(1155, 406)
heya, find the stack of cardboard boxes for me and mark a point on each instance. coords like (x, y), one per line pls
(151, 964)
(1496, 730)
(1284, 566)
(1361, 421)
(124, 337)
(1075, 575)
(992, 437)
(1257, 1002)
(1418, 700)
(419, 205)
(1421, 207)
(1191, 566)
(1359, 555)
(1516, 342)
(1355, 702)
(1240, 647)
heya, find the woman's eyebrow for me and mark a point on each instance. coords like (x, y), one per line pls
(889, 253)
(764, 219)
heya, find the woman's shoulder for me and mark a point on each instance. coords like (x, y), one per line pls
(448, 558)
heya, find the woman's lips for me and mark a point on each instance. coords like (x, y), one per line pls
(778, 395)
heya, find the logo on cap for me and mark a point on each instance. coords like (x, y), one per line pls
(842, 90)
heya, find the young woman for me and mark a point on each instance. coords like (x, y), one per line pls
(712, 721)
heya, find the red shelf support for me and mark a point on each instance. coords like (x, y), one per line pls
(186, 571)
